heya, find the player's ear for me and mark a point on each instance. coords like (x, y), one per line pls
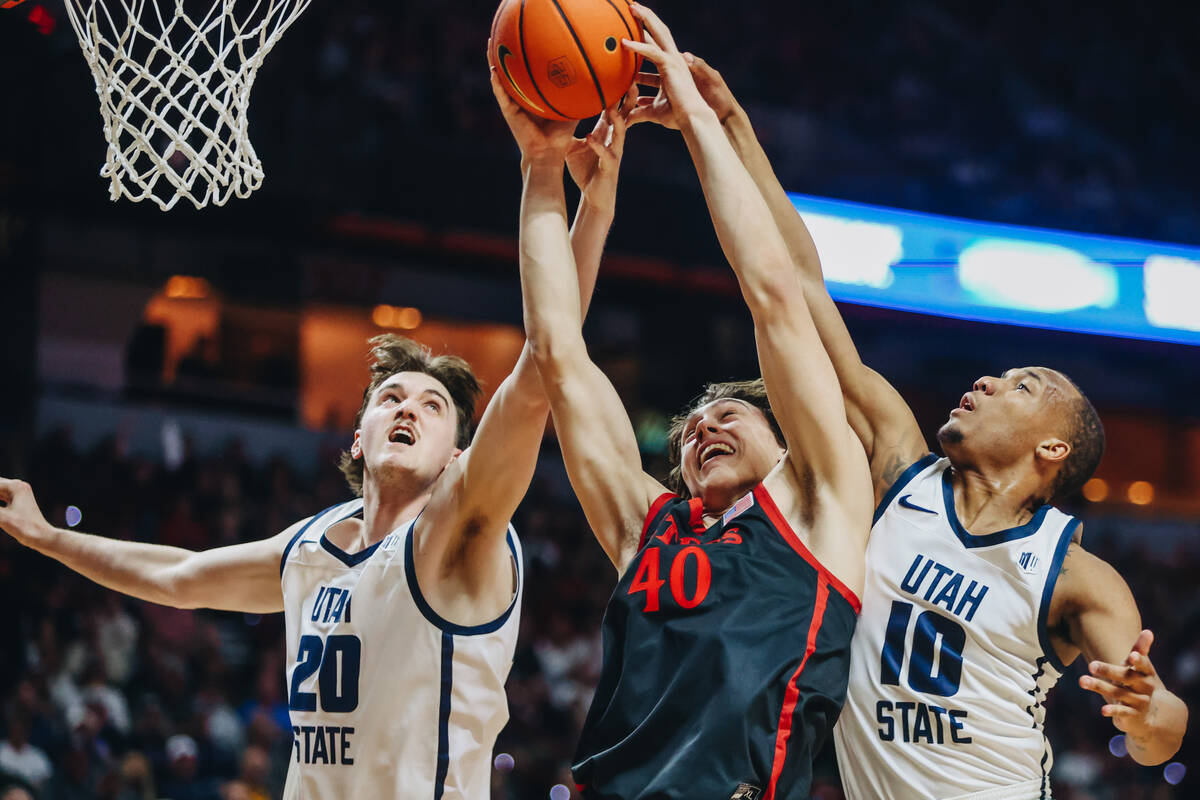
(356, 445)
(1053, 451)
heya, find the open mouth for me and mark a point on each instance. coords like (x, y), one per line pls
(966, 404)
(713, 450)
(402, 436)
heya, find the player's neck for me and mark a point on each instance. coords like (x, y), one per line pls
(384, 510)
(987, 501)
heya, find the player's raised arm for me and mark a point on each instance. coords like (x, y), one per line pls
(879, 415)
(800, 380)
(597, 439)
(490, 478)
(241, 577)
(1098, 618)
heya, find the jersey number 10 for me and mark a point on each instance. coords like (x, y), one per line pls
(934, 636)
(337, 659)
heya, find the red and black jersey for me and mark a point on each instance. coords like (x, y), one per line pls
(726, 655)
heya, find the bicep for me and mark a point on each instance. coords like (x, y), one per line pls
(495, 471)
(1103, 621)
(601, 454)
(242, 577)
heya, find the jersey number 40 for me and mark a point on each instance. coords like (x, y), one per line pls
(337, 660)
(935, 660)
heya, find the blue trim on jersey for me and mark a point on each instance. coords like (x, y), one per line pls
(987, 539)
(349, 559)
(443, 756)
(432, 616)
(1060, 552)
(911, 472)
(299, 533)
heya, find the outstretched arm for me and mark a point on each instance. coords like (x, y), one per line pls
(876, 411)
(597, 439)
(487, 482)
(1098, 617)
(242, 577)
(800, 380)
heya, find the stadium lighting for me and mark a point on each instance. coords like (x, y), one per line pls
(1172, 287)
(856, 252)
(1141, 493)
(1096, 490)
(1035, 276)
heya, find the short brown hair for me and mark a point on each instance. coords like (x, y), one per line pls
(392, 354)
(751, 392)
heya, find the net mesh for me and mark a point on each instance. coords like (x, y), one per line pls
(174, 80)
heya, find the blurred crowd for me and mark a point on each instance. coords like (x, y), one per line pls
(1058, 117)
(106, 697)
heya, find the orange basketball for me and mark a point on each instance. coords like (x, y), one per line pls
(563, 59)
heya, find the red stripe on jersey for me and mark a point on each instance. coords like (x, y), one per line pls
(655, 507)
(696, 507)
(789, 536)
(792, 695)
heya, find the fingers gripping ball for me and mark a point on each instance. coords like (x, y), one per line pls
(563, 59)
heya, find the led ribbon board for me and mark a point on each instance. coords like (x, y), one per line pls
(1005, 273)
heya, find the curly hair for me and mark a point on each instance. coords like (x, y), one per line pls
(753, 393)
(1085, 434)
(391, 354)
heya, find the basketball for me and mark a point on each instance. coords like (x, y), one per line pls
(563, 59)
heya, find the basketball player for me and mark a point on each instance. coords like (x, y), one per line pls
(978, 593)
(726, 639)
(401, 606)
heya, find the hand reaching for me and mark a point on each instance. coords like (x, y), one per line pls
(595, 160)
(1128, 689)
(19, 512)
(535, 136)
(709, 83)
(677, 91)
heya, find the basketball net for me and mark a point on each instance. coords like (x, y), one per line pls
(174, 90)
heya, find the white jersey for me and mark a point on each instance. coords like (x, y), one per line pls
(387, 699)
(951, 660)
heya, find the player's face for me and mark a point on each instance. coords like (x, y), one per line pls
(727, 447)
(408, 430)
(1007, 417)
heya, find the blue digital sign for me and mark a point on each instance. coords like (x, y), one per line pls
(1005, 273)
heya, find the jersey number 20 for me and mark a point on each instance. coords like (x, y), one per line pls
(934, 637)
(338, 659)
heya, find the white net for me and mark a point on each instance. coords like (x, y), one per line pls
(174, 90)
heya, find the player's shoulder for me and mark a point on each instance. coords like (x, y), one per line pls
(1086, 580)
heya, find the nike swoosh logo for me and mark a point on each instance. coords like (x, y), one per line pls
(503, 53)
(904, 501)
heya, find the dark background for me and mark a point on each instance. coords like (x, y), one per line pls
(385, 158)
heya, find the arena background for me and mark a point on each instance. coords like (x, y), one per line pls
(190, 377)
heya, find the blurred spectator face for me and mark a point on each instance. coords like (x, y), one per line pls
(727, 447)
(256, 766)
(15, 793)
(236, 790)
(408, 430)
(181, 756)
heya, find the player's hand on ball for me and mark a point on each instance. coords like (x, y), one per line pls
(535, 136)
(1128, 689)
(594, 161)
(19, 512)
(677, 92)
(709, 83)
(712, 87)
